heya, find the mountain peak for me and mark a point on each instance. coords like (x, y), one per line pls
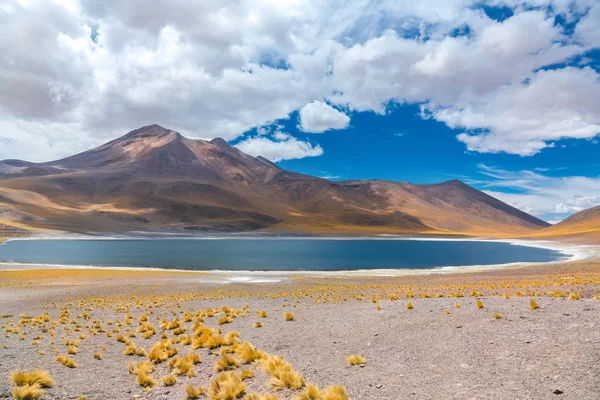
(148, 131)
(219, 142)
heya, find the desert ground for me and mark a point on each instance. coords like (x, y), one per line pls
(518, 333)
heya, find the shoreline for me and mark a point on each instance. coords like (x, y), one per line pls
(571, 252)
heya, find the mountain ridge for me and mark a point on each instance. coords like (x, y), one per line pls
(156, 179)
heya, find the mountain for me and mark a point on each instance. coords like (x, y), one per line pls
(584, 224)
(154, 179)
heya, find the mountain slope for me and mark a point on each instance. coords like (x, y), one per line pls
(155, 179)
(585, 223)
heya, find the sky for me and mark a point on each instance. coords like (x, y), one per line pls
(501, 94)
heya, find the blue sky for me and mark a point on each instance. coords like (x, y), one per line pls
(502, 94)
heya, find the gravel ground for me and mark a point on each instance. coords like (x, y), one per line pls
(433, 351)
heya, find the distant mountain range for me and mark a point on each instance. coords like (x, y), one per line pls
(154, 179)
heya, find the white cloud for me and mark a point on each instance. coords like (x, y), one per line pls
(552, 198)
(284, 147)
(525, 118)
(318, 117)
(209, 68)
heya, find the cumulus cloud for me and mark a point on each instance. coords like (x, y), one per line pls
(318, 117)
(280, 147)
(552, 198)
(79, 72)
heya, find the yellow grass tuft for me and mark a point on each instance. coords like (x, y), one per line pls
(194, 392)
(356, 359)
(33, 392)
(227, 386)
(574, 296)
(227, 362)
(409, 306)
(246, 374)
(247, 353)
(312, 392)
(262, 313)
(33, 377)
(533, 304)
(66, 361)
(259, 324)
(479, 304)
(497, 316)
(169, 380)
(288, 316)
(98, 355)
(145, 380)
(335, 393)
(72, 350)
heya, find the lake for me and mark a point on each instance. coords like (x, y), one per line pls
(270, 254)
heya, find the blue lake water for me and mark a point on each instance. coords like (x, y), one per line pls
(268, 254)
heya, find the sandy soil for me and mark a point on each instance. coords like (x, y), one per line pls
(432, 351)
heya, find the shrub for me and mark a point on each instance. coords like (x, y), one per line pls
(169, 380)
(66, 361)
(227, 362)
(28, 392)
(227, 386)
(33, 377)
(312, 392)
(194, 393)
(533, 304)
(355, 359)
(335, 393)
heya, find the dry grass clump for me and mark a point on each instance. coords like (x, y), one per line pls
(288, 316)
(533, 304)
(259, 324)
(169, 380)
(66, 361)
(227, 386)
(262, 313)
(142, 370)
(312, 392)
(227, 362)
(497, 316)
(479, 304)
(28, 392)
(33, 377)
(29, 385)
(194, 392)
(247, 353)
(246, 374)
(409, 306)
(574, 296)
(356, 359)
(282, 374)
(98, 355)
(335, 393)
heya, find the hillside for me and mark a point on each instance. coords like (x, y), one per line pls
(584, 224)
(154, 179)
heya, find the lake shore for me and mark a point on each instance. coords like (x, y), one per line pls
(572, 251)
(434, 350)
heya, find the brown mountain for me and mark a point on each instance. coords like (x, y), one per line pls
(584, 224)
(154, 179)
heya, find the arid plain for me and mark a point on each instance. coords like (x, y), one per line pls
(521, 332)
